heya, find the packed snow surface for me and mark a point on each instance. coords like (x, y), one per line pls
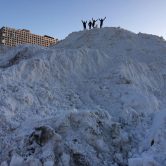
(96, 98)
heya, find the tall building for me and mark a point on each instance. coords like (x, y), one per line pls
(13, 37)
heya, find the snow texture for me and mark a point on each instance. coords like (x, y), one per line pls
(96, 98)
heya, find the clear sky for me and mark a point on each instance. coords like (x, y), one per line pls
(58, 18)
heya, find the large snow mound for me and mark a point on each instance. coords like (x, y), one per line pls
(96, 98)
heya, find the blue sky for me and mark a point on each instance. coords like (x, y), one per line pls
(58, 18)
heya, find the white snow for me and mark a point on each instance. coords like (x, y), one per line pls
(96, 98)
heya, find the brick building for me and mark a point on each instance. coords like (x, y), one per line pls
(13, 37)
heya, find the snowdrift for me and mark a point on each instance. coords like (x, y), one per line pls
(95, 98)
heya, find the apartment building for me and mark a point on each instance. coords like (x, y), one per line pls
(13, 37)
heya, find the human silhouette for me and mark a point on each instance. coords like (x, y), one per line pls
(84, 24)
(90, 24)
(101, 22)
(93, 23)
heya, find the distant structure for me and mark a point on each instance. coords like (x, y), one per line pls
(13, 37)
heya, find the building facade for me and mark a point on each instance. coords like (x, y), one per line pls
(13, 37)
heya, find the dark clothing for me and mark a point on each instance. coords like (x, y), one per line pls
(93, 22)
(90, 24)
(101, 22)
(84, 24)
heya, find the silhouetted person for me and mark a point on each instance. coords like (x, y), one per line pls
(93, 23)
(101, 22)
(90, 24)
(84, 24)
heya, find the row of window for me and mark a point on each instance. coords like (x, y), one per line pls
(29, 39)
(43, 43)
(24, 40)
(14, 44)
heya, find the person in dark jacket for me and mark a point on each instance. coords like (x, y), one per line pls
(93, 23)
(84, 24)
(101, 22)
(90, 24)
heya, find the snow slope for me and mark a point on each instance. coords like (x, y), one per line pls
(96, 98)
(3, 49)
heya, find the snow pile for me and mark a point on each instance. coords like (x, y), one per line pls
(96, 98)
(3, 49)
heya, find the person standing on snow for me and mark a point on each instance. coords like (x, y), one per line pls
(90, 24)
(101, 22)
(84, 24)
(93, 23)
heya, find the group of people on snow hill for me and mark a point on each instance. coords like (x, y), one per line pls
(92, 23)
